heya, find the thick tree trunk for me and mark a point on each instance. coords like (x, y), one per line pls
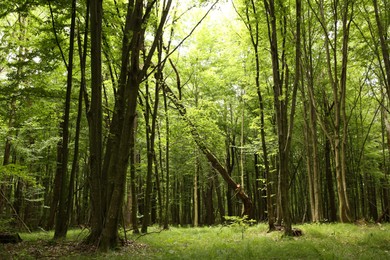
(119, 144)
(97, 192)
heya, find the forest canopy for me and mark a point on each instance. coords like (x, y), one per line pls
(132, 113)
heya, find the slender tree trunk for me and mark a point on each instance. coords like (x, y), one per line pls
(316, 176)
(134, 201)
(343, 84)
(195, 191)
(242, 169)
(159, 203)
(62, 222)
(75, 162)
(56, 187)
(167, 160)
(329, 182)
(229, 167)
(151, 132)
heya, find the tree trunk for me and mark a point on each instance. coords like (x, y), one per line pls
(195, 191)
(7, 149)
(329, 183)
(242, 170)
(134, 201)
(121, 130)
(56, 187)
(94, 115)
(220, 202)
(208, 199)
(167, 160)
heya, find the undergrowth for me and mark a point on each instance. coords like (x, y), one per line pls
(320, 241)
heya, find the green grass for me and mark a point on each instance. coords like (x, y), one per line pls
(320, 241)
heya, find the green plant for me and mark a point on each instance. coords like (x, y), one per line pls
(240, 223)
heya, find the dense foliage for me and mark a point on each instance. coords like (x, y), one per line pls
(184, 112)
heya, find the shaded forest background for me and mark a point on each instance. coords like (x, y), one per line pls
(117, 113)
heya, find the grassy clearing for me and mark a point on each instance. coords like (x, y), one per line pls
(322, 241)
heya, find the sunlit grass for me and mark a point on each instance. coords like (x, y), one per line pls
(72, 235)
(320, 241)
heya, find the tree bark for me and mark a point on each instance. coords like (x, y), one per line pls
(195, 191)
(134, 201)
(97, 191)
(167, 160)
(121, 130)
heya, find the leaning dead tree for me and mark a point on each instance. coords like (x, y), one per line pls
(213, 160)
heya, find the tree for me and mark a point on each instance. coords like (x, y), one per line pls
(284, 122)
(255, 40)
(338, 138)
(115, 161)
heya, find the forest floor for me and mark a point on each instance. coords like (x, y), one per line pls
(319, 241)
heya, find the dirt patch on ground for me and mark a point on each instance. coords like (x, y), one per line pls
(44, 249)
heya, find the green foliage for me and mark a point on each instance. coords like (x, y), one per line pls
(240, 223)
(16, 171)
